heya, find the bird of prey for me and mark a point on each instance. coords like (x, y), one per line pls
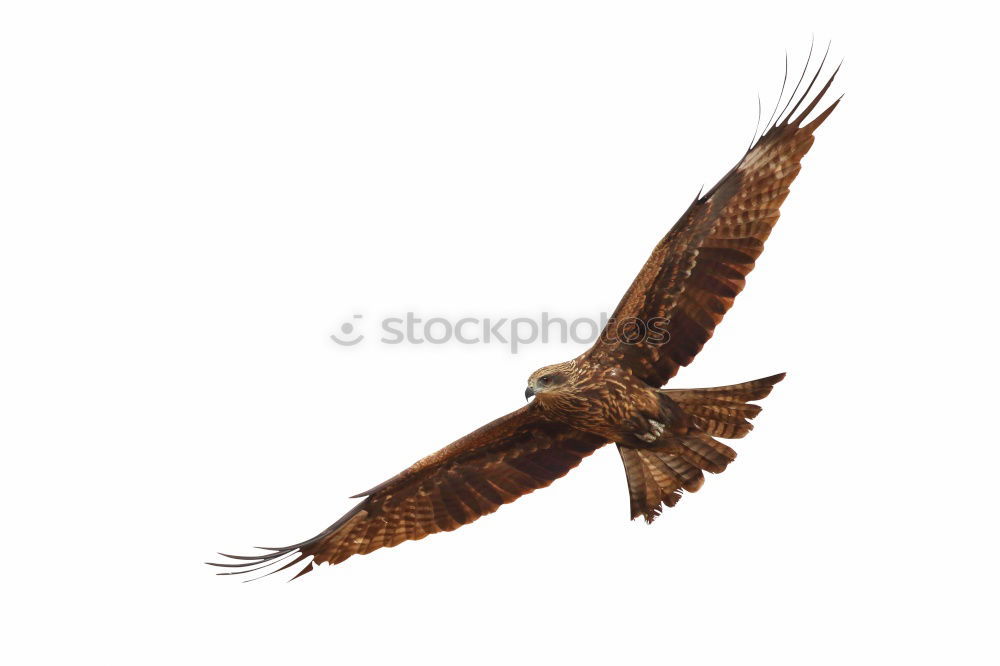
(667, 438)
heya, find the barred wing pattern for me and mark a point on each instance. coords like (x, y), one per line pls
(695, 272)
(494, 465)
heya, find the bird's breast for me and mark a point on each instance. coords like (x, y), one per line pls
(604, 403)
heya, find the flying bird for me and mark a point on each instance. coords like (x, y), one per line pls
(612, 393)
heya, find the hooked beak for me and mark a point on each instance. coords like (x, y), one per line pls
(528, 392)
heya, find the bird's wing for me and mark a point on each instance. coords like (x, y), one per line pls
(494, 465)
(696, 271)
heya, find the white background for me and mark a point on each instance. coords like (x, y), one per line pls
(195, 195)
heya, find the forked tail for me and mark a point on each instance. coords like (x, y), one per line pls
(657, 476)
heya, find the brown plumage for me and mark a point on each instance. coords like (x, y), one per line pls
(611, 393)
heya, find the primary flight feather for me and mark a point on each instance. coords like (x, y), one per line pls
(612, 392)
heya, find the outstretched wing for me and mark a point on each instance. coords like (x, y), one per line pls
(696, 271)
(494, 465)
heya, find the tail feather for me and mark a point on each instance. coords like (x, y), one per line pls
(701, 450)
(656, 478)
(752, 390)
(722, 411)
(658, 475)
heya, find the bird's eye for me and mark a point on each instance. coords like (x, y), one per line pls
(544, 381)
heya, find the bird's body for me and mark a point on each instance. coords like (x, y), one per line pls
(612, 392)
(606, 399)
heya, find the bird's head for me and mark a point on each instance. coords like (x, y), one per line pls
(548, 380)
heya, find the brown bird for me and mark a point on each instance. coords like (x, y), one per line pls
(612, 392)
